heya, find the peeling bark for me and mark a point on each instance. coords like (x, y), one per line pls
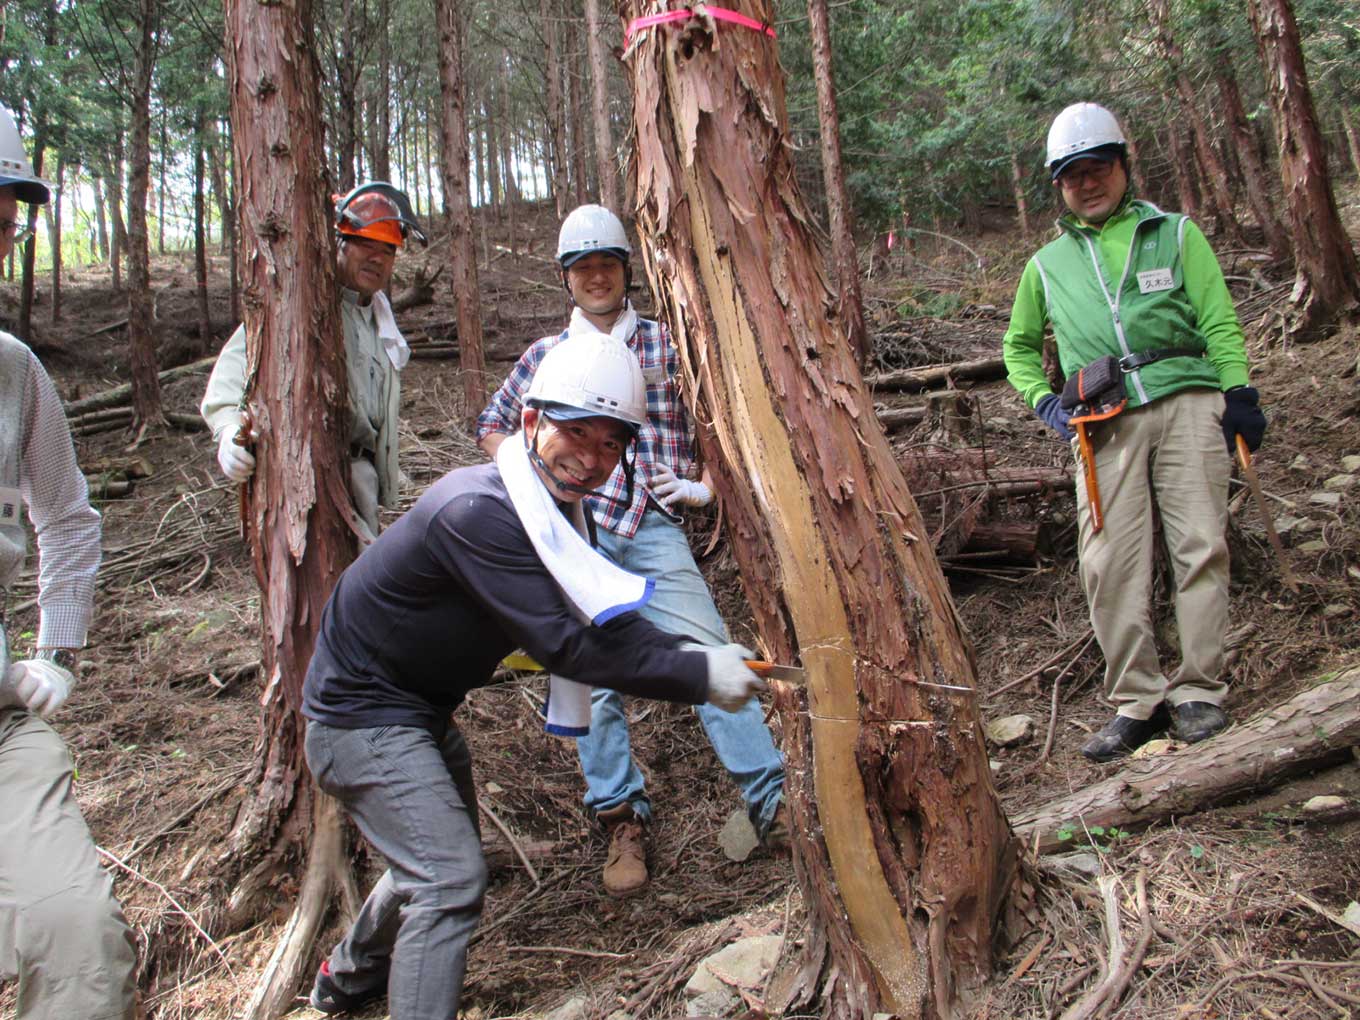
(901, 846)
(1327, 280)
(1254, 173)
(301, 521)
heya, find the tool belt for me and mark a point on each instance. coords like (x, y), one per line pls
(1096, 391)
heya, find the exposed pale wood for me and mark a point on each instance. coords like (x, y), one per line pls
(1309, 730)
(900, 844)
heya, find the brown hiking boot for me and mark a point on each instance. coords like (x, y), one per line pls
(776, 837)
(625, 869)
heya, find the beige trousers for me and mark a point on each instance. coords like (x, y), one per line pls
(1168, 455)
(62, 933)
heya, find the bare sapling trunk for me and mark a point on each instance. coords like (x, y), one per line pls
(901, 846)
(599, 107)
(557, 127)
(301, 521)
(200, 232)
(849, 305)
(463, 254)
(1327, 281)
(54, 237)
(146, 387)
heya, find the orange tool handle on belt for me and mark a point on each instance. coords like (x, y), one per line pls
(1088, 465)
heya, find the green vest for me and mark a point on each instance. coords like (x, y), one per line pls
(1145, 309)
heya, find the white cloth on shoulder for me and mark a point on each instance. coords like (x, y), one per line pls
(595, 589)
(394, 344)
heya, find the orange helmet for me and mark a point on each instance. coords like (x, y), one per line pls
(379, 211)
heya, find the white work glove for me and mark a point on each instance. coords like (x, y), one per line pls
(40, 686)
(237, 462)
(670, 490)
(731, 684)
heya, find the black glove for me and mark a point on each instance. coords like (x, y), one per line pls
(1056, 417)
(1242, 417)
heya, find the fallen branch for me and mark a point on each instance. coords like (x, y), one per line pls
(913, 380)
(122, 394)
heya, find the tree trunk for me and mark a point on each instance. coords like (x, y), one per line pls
(1254, 172)
(580, 137)
(101, 219)
(146, 389)
(1327, 280)
(849, 304)
(300, 517)
(1215, 177)
(1352, 139)
(599, 95)
(29, 280)
(901, 847)
(463, 256)
(557, 129)
(160, 188)
(1181, 162)
(1308, 731)
(382, 98)
(200, 233)
(347, 98)
(54, 238)
(1018, 191)
(493, 173)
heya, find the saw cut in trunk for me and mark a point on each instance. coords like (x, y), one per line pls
(901, 846)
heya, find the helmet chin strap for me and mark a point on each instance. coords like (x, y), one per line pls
(564, 486)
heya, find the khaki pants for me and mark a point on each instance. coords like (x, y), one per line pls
(62, 933)
(1169, 455)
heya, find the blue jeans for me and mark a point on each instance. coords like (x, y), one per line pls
(681, 604)
(412, 796)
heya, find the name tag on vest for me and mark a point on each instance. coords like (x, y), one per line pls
(9, 506)
(1155, 280)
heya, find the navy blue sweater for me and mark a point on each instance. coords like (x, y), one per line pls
(428, 610)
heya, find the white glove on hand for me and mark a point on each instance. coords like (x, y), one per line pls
(236, 462)
(731, 684)
(670, 490)
(40, 686)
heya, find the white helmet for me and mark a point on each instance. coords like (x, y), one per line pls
(15, 169)
(591, 228)
(587, 375)
(1078, 130)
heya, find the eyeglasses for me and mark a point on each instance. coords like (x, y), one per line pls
(18, 233)
(1076, 175)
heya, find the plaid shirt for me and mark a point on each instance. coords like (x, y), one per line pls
(666, 438)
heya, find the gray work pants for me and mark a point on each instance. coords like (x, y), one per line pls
(62, 933)
(411, 794)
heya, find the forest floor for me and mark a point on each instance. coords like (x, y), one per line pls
(164, 725)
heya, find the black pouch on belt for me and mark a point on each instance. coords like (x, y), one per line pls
(1096, 391)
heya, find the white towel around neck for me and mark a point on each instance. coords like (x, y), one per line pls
(623, 329)
(595, 589)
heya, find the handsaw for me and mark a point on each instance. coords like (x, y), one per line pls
(1254, 484)
(774, 671)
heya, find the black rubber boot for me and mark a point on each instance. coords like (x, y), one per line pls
(1197, 720)
(1122, 735)
(328, 998)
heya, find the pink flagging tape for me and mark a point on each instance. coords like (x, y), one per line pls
(685, 13)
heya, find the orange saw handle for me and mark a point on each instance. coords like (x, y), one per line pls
(1088, 466)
